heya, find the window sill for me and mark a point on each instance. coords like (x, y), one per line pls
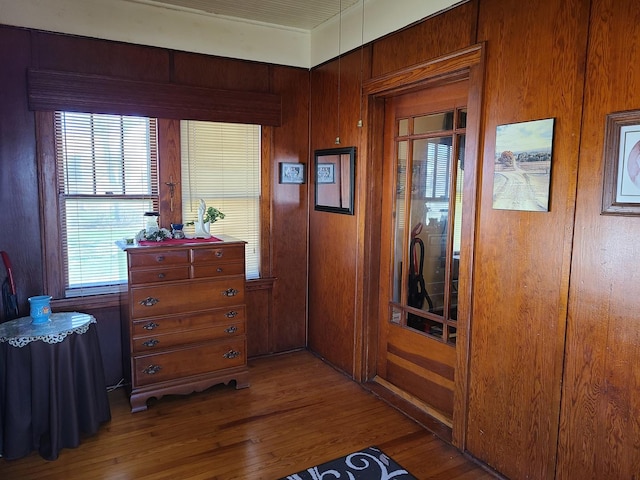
(89, 302)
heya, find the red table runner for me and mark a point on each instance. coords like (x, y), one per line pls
(177, 241)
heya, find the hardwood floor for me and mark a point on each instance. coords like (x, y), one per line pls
(298, 412)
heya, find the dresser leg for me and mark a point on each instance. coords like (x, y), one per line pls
(138, 403)
(242, 381)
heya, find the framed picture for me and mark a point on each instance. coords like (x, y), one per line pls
(292, 172)
(621, 188)
(522, 166)
(335, 180)
(326, 172)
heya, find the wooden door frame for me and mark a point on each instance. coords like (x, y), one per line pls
(467, 63)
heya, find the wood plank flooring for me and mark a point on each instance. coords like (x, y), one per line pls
(298, 412)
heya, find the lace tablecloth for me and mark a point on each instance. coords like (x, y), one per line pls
(21, 332)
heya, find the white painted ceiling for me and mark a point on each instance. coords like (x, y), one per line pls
(299, 14)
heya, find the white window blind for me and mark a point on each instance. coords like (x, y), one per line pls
(221, 164)
(107, 179)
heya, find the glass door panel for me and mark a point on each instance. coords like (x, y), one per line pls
(399, 219)
(429, 165)
(457, 233)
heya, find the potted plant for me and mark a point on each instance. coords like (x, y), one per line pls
(212, 215)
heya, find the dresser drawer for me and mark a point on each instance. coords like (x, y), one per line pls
(217, 270)
(164, 325)
(216, 255)
(182, 363)
(185, 297)
(155, 342)
(153, 258)
(160, 274)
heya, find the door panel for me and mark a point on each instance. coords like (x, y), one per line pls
(426, 374)
(422, 224)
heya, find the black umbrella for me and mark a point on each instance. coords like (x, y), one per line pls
(9, 298)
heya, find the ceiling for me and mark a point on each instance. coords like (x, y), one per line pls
(298, 14)
(298, 33)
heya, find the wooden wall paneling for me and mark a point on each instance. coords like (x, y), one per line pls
(534, 69)
(219, 72)
(599, 428)
(100, 57)
(333, 238)
(53, 278)
(368, 203)
(20, 213)
(289, 212)
(259, 301)
(434, 37)
(169, 172)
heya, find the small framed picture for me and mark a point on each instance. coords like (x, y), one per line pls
(621, 188)
(292, 172)
(326, 173)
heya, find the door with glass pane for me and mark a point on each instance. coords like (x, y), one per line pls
(422, 224)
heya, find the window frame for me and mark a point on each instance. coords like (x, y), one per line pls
(68, 193)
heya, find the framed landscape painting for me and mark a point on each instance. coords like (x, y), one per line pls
(522, 166)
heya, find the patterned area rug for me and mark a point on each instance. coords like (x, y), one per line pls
(368, 464)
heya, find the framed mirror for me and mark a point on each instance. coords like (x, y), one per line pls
(334, 170)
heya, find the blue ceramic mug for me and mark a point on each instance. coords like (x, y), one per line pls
(40, 308)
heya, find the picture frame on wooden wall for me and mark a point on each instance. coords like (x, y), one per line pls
(292, 173)
(522, 165)
(621, 186)
(334, 171)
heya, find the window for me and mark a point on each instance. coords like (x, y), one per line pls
(106, 178)
(111, 169)
(221, 164)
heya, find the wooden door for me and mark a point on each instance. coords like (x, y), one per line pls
(424, 144)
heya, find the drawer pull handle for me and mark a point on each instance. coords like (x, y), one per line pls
(219, 270)
(231, 354)
(231, 314)
(219, 254)
(230, 292)
(149, 302)
(150, 326)
(152, 369)
(160, 258)
(151, 343)
(231, 329)
(161, 275)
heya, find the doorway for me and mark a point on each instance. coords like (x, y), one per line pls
(421, 245)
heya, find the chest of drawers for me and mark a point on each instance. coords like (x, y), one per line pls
(185, 320)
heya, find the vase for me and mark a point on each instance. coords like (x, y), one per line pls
(202, 230)
(40, 309)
